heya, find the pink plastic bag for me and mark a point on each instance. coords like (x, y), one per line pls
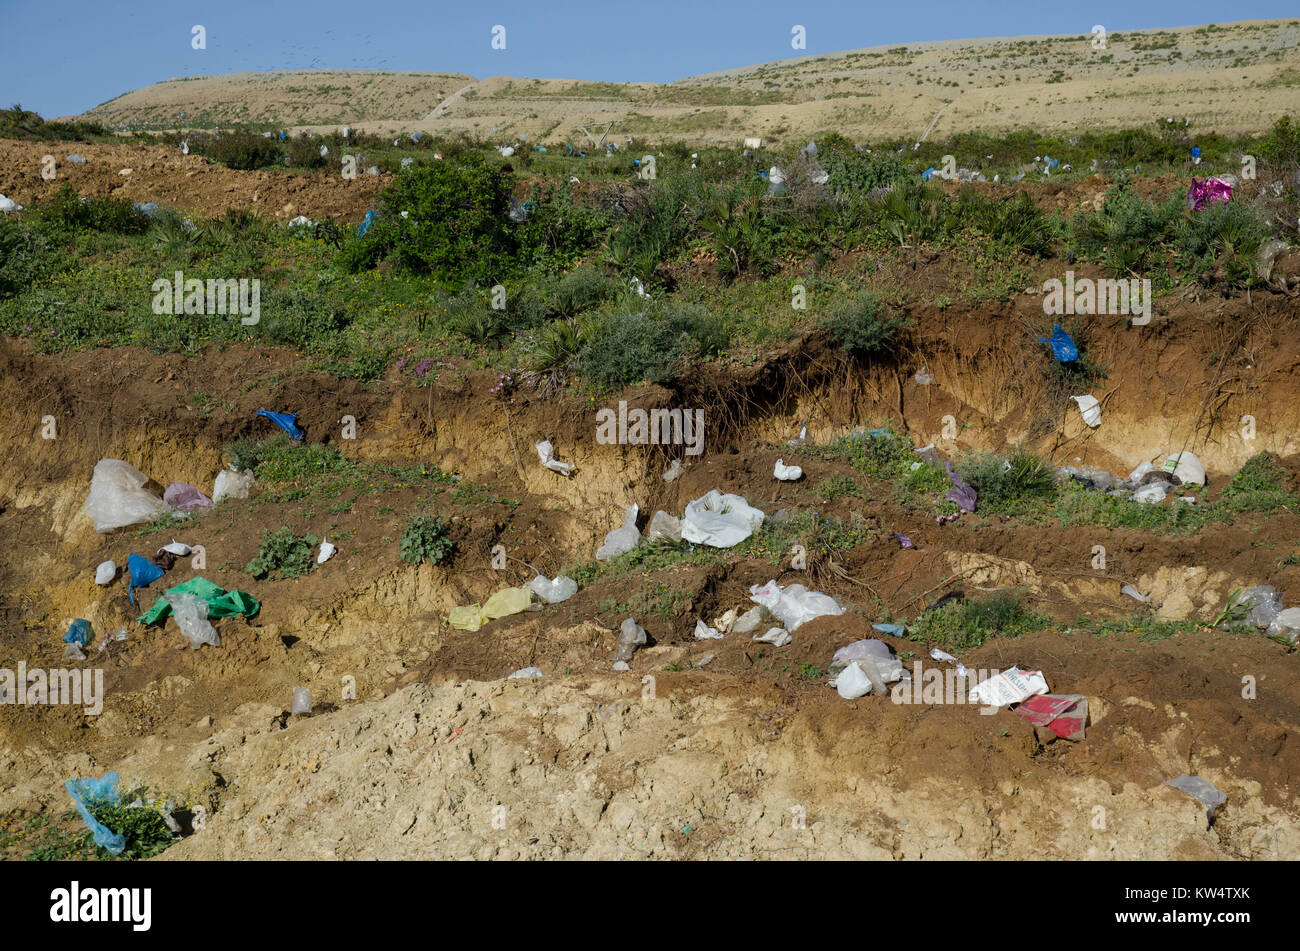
(183, 496)
(1209, 190)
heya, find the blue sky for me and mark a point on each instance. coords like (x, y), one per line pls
(64, 57)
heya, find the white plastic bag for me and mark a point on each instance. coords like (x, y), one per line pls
(786, 473)
(1186, 467)
(105, 573)
(853, 682)
(858, 650)
(232, 485)
(118, 497)
(776, 636)
(1011, 686)
(1137, 474)
(1286, 624)
(631, 635)
(663, 525)
(621, 540)
(553, 592)
(546, 452)
(719, 520)
(525, 673)
(191, 613)
(794, 605)
(326, 551)
(1090, 409)
(179, 549)
(705, 633)
(1152, 493)
(301, 701)
(748, 621)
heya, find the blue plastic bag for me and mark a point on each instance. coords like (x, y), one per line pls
(79, 632)
(85, 792)
(143, 573)
(286, 421)
(893, 630)
(365, 224)
(1063, 347)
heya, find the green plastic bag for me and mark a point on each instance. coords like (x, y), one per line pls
(221, 603)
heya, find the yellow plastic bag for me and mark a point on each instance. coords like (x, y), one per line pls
(507, 601)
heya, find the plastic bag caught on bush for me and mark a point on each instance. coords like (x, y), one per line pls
(191, 614)
(87, 793)
(118, 498)
(623, 539)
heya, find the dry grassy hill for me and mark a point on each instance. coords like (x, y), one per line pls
(1231, 77)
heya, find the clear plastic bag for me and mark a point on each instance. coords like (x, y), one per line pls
(118, 498)
(232, 485)
(191, 614)
(623, 539)
(631, 635)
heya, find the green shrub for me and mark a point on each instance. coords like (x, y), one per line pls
(26, 257)
(966, 624)
(285, 552)
(456, 223)
(1127, 233)
(854, 171)
(580, 290)
(1000, 481)
(143, 827)
(66, 209)
(651, 346)
(303, 152)
(559, 229)
(1222, 235)
(241, 150)
(426, 539)
(858, 326)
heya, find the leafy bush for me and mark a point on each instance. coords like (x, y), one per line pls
(1259, 485)
(456, 223)
(66, 209)
(241, 150)
(858, 326)
(26, 256)
(559, 229)
(1221, 240)
(285, 552)
(580, 290)
(426, 539)
(966, 624)
(1001, 481)
(630, 347)
(279, 459)
(303, 152)
(1016, 224)
(855, 171)
(1127, 233)
(880, 454)
(143, 827)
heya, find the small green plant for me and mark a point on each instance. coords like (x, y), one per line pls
(1002, 482)
(426, 539)
(859, 327)
(285, 552)
(811, 672)
(967, 624)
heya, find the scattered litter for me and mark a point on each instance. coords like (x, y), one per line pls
(1138, 474)
(1062, 344)
(673, 471)
(858, 650)
(1134, 593)
(787, 473)
(191, 614)
(946, 599)
(705, 633)
(163, 559)
(748, 621)
(904, 541)
(118, 498)
(366, 223)
(801, 438)
(408, 162)
(893, 630)
(232, 485)
(853, 682)
(327, 551)
(663, 525)
(703, 660)
(623, 539)
(726, 622)
(143, 573)
(179, 549)
(301, 701)
(621, 665)
(1269, 252)
(1010, 686)
(929, 454)
(553, 592)
(1186, 467)
(1263, 604)
(1202, 193)
(105, 572)
(1090, 409)
(546, 452)
(631, 635)
(943, 656)
(719, 520)
(960, 494)
(637, 287)
(794, 605)
(1201, 790)
(221, 603)
(525, 673)
(776, 636)
(80, 632)
(1063, 714)
(507, 601)
(286, 421)
(1287, 624)
(302, 221)
(506, 150)
(76, 158)
(1152, 493)
(86, 793)
(8, 204)
(923, 377)
(185, 497)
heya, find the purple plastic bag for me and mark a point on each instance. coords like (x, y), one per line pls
(904, 541)
(1203, 192)
(960, 494)
(183, 496)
